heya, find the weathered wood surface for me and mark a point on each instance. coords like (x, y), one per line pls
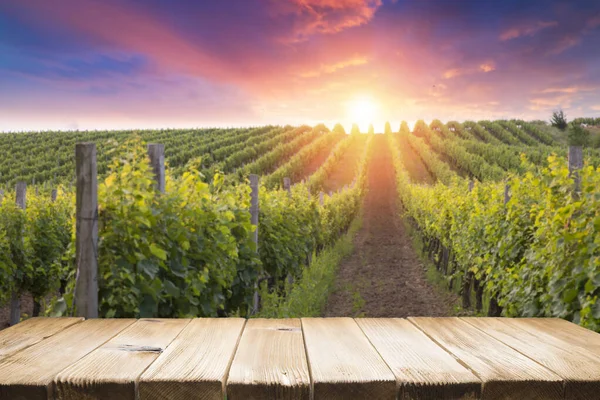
(29, 373)
(196, 364)
(30, 332)
(423, 369)
(343, 363)
(505, 373)
(578, 369)
(86, 231)
(312, 358)
(112, 370)
(270, 362)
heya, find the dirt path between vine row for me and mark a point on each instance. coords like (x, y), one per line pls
(384, 276)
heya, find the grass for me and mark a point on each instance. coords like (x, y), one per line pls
(308, 296)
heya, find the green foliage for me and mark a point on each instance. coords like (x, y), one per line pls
(319, 177)
(371, 129)
(307, 296)
(295, 166)
(184, 253)
(559, 120)
(187, 252)
(578, 136)
(538, 254)
(499, 132)
(355, 129)
(32, 244)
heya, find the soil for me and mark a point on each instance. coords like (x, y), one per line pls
(384, 277)
(345, 170)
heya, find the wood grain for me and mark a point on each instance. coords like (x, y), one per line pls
(505, 373)
(579, 367)
(343, 363)
(270, 362)
(196, 363)
(86, 231)
(423, 369)
(30, 332)
(112, 370)
(28, 374)
(555, 328)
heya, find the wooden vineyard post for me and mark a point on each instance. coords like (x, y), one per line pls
(1, 195)
(156, 152)
(254, 210)
(86, 233)
(53, 195)
(15, 300)
(575, 164)
(321, 198)
(471, 186)
(287, 185)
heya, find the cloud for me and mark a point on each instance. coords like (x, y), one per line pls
(456, 72)
(569, 89)
(595, 107)
(487, 67)
(526, 30)
(311, 17)
(548, 103)
(331, 68)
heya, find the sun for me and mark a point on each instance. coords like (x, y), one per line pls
(362, 111)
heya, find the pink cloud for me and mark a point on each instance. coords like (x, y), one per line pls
(331, 68)
(485, 67)
(569, 89)
(324, 16)
(526, 30)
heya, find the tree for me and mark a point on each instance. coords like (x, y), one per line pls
(338, 128)
(355, 129)
(388, 128)
(578, 136)
(559, 120)
(371, 129)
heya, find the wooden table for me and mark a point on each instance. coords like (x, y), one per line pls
(330, 358)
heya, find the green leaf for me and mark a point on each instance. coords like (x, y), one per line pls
(589, 286)
(171, 289)
(569, 295)
(158, 252)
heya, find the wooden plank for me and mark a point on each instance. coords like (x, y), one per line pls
(112, 370)
(195, 365)
(28, 374)
(30, 332)
(555, 328)
(270, 362)
(343, 363)
(580, 371)
(505, 373)
(423, 370)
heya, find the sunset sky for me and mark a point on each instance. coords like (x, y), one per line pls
(91, 64)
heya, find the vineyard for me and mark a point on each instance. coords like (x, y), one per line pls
(505, 211)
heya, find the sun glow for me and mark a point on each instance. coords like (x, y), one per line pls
(362, 111)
